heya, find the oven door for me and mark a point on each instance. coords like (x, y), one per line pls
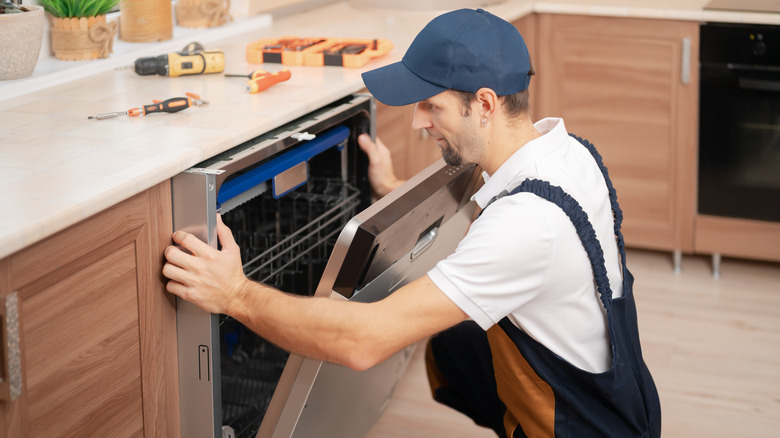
(739, 133)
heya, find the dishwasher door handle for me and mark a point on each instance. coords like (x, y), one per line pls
(425, 241)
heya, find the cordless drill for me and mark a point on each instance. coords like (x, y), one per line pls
(192, 60)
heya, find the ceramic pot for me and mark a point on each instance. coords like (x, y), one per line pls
(21, 36)
(74, 39)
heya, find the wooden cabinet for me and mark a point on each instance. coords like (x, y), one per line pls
(528, 29)
(735, 237)
(618, 82)
(96, 329)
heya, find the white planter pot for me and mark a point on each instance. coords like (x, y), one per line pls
(20, 38)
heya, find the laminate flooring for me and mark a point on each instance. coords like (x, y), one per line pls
(712, 345)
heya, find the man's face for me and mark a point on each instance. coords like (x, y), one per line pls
(452, 125)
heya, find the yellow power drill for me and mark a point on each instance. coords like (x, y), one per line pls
(192, 60)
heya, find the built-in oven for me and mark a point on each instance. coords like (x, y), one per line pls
(739, 131)
(298, 202)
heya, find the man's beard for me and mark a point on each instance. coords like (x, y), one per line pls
(451, 155)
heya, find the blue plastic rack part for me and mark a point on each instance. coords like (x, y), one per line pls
(333, 137)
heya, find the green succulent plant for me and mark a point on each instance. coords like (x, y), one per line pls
(78, 8)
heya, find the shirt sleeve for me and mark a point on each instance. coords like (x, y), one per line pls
(502, 263)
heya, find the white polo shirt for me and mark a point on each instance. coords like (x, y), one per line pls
(522, 257)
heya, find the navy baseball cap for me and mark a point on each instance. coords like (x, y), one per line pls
(461, 50)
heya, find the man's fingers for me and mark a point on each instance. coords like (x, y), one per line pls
(176, 272)
(191, 243)
(176, 288)
(380, 147)
(224, 234)
(368, 146)
(178, 257)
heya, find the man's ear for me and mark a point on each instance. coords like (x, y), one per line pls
(488, 103)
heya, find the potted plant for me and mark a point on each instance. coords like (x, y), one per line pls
(79, 29)
(21, 35)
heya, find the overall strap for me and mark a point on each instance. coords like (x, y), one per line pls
(579, 218)
(616, 211)
(582, 225)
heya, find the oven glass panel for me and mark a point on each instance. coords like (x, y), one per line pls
(739, 135)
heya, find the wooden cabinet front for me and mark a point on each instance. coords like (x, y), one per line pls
(618, 82)
(96, 328)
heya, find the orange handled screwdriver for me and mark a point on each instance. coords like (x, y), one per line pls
(265, 80)
(172, 105)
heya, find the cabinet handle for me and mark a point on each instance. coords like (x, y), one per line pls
(11, 366)
(685, 75)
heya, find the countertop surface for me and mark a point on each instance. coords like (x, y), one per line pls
(59, 168)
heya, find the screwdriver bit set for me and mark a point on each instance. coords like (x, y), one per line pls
(317, 52)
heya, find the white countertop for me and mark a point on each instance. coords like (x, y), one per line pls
(59, 168)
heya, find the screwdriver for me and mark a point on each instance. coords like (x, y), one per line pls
(254, 75)
(172, 105)
(260, 80)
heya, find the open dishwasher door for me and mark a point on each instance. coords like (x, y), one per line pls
(394, 241)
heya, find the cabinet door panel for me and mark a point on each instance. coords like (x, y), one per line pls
(84, 378)
(392, 127)
(617, 82)
(97, 329)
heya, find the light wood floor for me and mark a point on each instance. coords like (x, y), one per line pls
(713, 346)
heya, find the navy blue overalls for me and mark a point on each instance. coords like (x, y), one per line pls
(536, 393)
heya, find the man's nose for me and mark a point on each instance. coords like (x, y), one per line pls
(420, 118)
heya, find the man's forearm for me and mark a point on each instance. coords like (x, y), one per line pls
(321, 328)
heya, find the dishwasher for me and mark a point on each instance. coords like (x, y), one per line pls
(298, 202)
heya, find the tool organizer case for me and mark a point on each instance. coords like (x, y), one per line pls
(317, 52)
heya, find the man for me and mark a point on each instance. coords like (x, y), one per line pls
(534, 321)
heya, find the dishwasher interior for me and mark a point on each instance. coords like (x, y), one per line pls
(285, 243)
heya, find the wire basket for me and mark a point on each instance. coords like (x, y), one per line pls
(285, 243)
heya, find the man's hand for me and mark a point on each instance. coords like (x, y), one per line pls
(380, 166)
(211, 279)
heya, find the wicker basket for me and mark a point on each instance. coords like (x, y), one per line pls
(143, 21)
(202, 13)
(75, 39)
